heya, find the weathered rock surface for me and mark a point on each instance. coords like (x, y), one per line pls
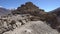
(33, 27)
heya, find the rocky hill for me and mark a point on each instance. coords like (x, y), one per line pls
(29, 19)
(29, 8)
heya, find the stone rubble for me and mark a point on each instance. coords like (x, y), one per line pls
(8, 23)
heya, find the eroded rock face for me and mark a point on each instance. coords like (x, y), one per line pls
(34, 27)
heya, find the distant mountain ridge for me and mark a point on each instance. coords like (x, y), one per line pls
(56, 11)
(4, 11)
